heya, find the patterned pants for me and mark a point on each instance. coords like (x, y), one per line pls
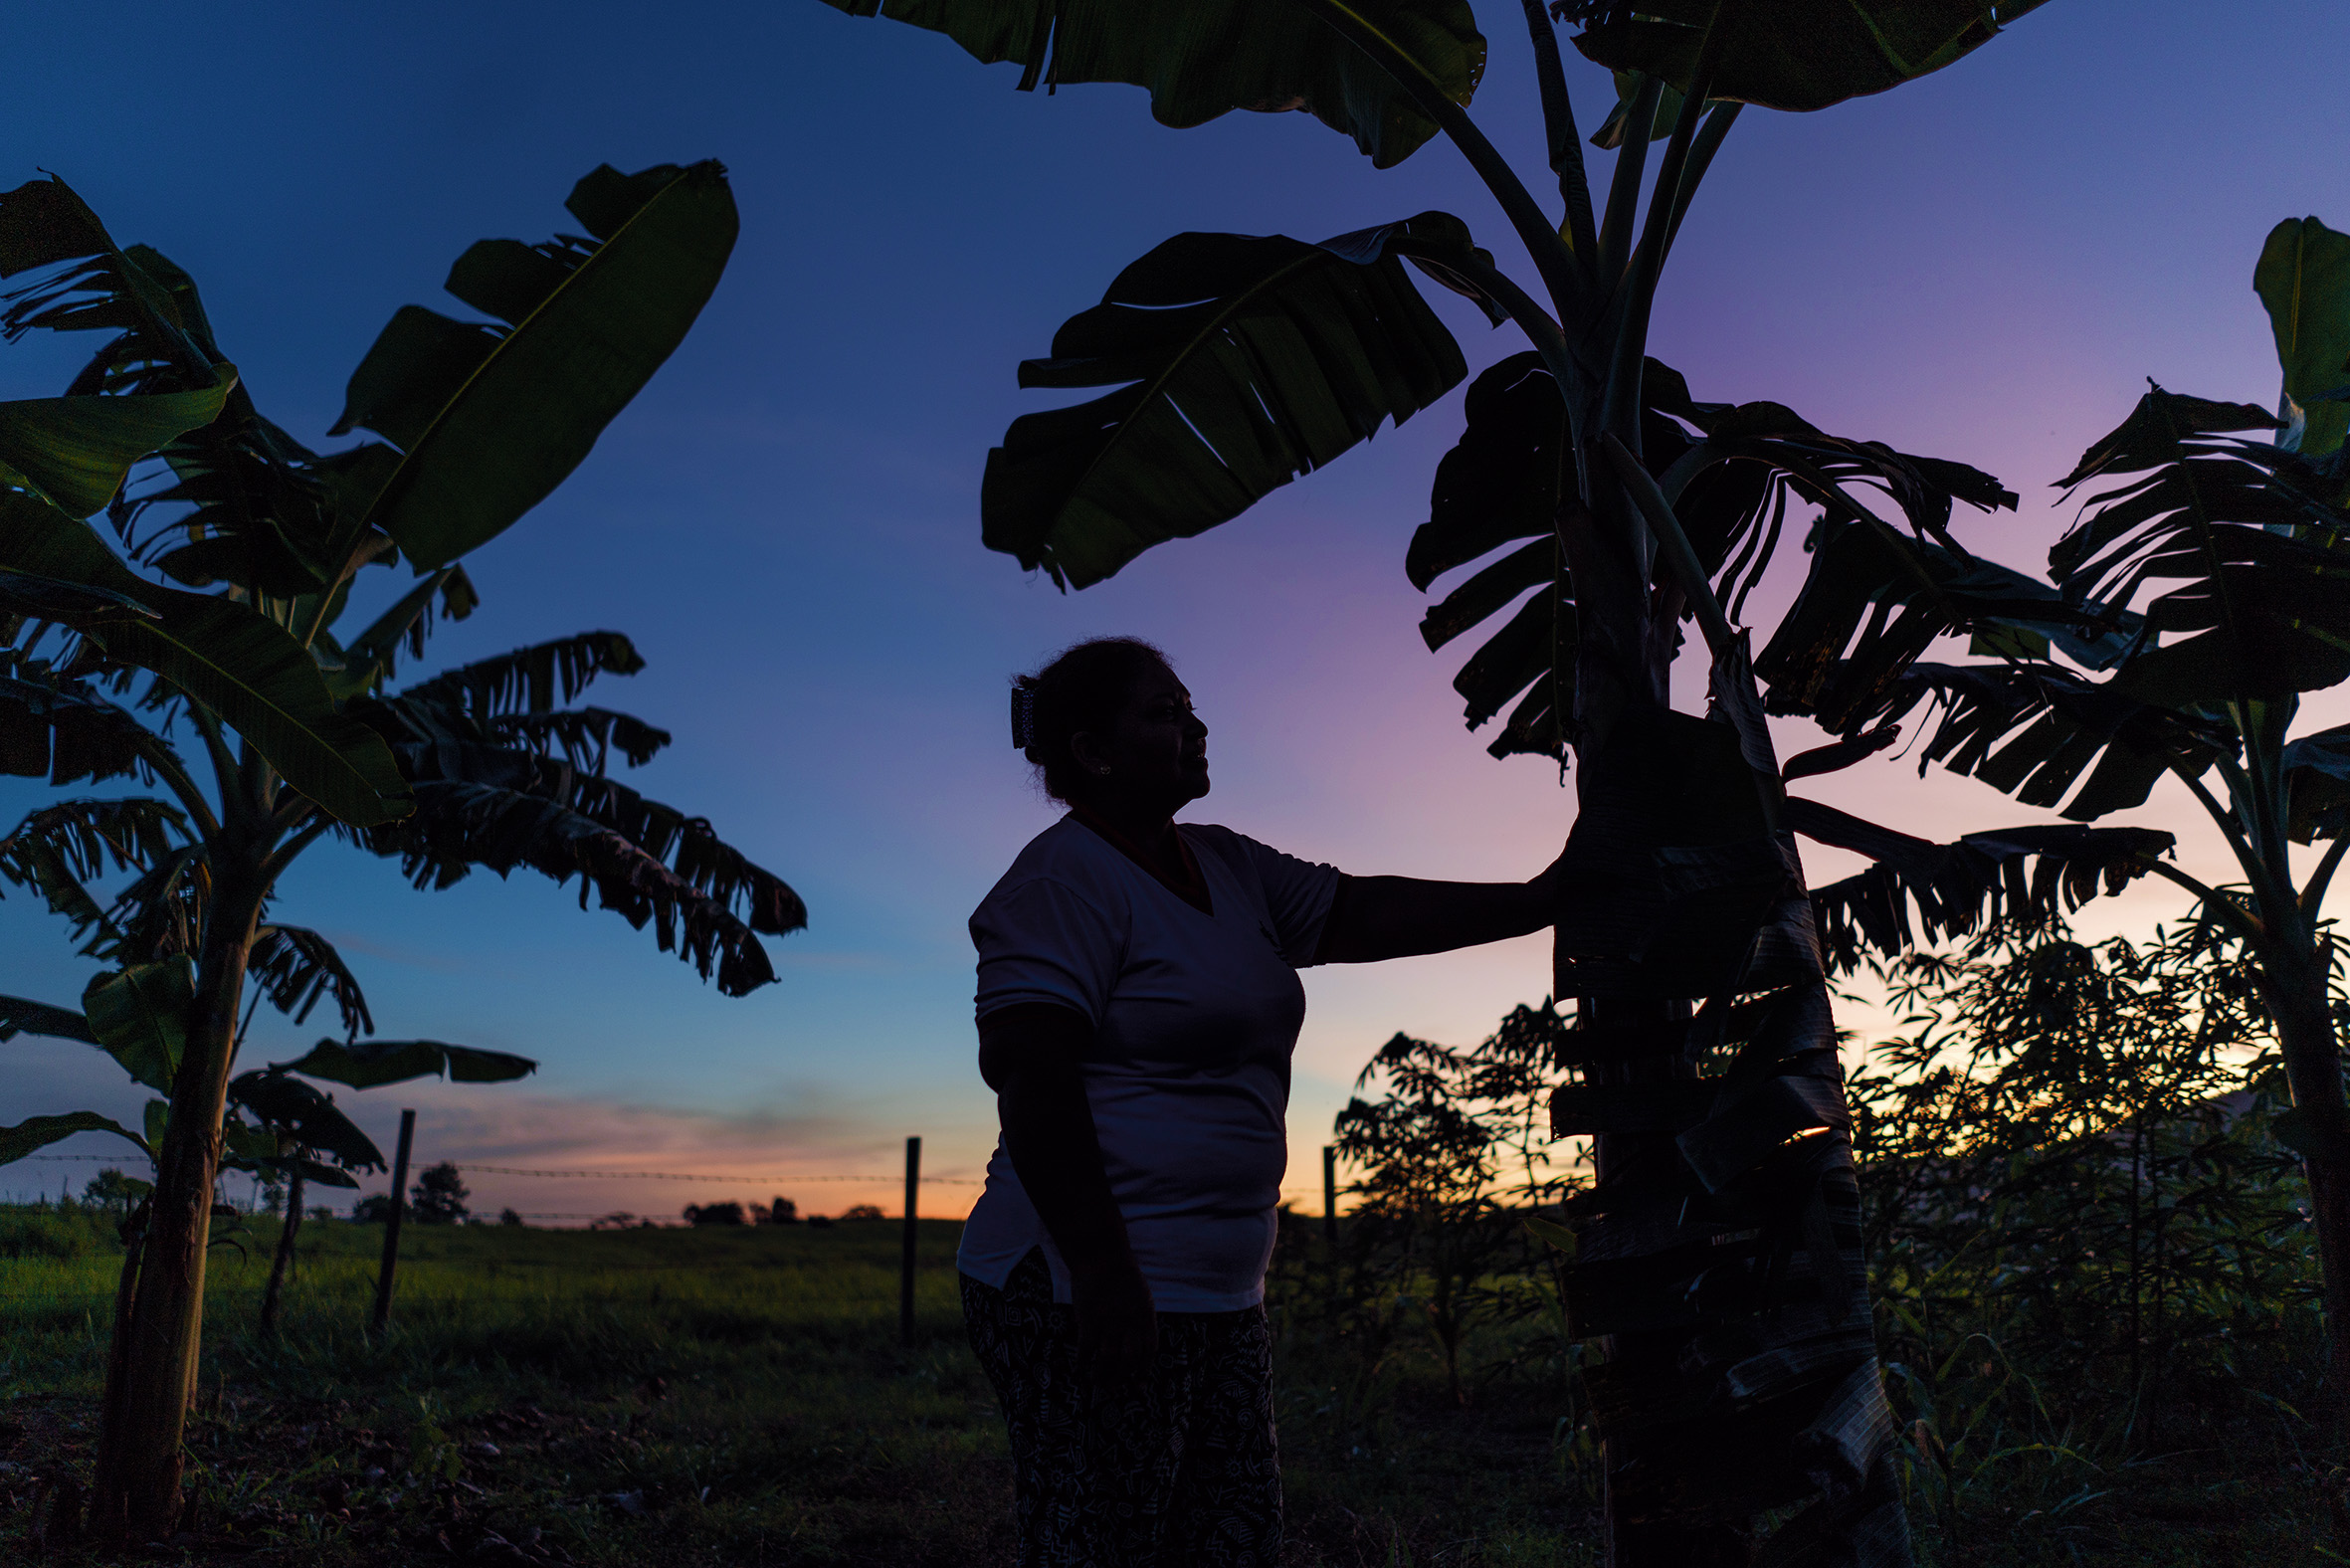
(1176, 1471)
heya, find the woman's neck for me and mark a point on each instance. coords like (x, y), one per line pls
(1150, 831)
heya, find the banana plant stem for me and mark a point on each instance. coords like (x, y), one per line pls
(1566, 141)
(2313, 891)
(1561, 272)
(1632, 158)
(1680, 558)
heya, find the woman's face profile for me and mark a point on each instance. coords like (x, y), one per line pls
(1156, 752)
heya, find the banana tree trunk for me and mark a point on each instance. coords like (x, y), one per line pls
(2295, 987)
(1720, 1263)
(283, 1257)
(135, 1494)
(1623, 675)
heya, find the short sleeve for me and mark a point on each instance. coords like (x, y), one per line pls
(1297, 895)
(1043, 941)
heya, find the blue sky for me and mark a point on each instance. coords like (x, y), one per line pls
(1984, 266)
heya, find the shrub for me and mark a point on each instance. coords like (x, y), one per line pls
(862, 1211)
(716, 1214)
(2070, 1171)
(112, 1190)
(439, 1195)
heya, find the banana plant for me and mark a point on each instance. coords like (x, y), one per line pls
(1597, 508)
(2227, 523)
(178, 578)
(277, 1125)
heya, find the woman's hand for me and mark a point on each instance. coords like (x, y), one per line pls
(1117, 1324)
(1543, 888)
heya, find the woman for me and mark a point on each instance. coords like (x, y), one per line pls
(1138, 1003)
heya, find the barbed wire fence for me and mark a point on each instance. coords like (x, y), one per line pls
(771, 1180)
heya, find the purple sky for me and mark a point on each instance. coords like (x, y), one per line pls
(1982, 266)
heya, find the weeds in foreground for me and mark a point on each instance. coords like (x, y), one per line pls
(693, 1396)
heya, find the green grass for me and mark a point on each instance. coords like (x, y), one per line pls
(739, 1397)
(672, 1396)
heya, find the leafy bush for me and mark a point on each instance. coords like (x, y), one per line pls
(1454, 1158)
(439, 1195)
(2087, 1245)
(110, 1190)
(716, 1214)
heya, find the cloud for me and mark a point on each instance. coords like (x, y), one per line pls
(823, 1154)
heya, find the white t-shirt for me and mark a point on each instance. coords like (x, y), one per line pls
(1194, 1017)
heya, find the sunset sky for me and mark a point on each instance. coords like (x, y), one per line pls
(1983, 265)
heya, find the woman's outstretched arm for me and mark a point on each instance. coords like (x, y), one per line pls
(1376, 917)
(1029, 1054)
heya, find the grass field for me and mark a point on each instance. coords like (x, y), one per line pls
(739, 1398)
(728, 1397)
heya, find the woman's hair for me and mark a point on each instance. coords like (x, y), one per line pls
(1082, 688)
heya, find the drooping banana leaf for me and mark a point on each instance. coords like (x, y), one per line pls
(2303, 279)
(63, 729)
(242, 665)
(265, 684)
(1873, 602)
(40, 598)
(295, 968)
(369, 1063)
(1795, 54)
(304, 1117)
(245, 501)
(584, 736)
(2018, 876)
(141, 1016)
(459, 825)
(534, 680)
(74, 451)
(81, 839)
(2251, 561)
(20, 1016)
(38, 1132)
(45, 224)
(2316, 771)
(1240, 362)
(372, 656)
(1732, 473)
(1202, 59)
(489, 419)
(504, 779)
(2036, 730)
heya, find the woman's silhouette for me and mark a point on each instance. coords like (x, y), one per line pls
(1138, 1003)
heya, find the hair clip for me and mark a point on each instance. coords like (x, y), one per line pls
(1024, 715)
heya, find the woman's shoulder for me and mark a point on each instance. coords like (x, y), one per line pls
(1235, 849)
(1068, 853)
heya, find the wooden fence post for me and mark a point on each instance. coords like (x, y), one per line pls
(391, 1227)
(905, 1276)
(1329, 1195)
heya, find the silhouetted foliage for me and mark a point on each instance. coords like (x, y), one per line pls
(439, 1195)
(2083, 1233)
(1452, 1158)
